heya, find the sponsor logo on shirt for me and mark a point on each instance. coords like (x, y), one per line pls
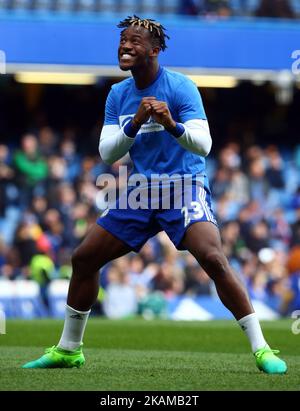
(149, 127)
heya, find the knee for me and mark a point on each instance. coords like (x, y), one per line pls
(85, 262)
(79, 261)
(215, 263)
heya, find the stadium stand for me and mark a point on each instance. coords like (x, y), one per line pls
(223, 8)
(21, 299)
(57, 294)
(256, 197)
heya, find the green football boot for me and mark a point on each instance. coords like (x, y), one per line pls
(268, 362)
(56, 357)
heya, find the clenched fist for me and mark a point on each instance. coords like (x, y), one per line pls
(144, 112)
(161, 114)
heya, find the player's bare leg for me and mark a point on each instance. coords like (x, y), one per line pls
(98, 248)
(203, 240)
(209, 254)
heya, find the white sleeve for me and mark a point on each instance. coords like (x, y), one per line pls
(114, 143)
(196, 137)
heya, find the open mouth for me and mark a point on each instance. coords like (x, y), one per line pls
(126, 57)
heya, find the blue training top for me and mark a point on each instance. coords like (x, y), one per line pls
(155, 151)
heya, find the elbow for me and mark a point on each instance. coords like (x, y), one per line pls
(105, 155)
(205, 149)
(203, 145)
(198, 137)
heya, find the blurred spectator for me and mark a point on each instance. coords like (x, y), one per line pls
(31, 169)
(259, 222)
(71, 158)
(42, 270)
(56, 236)
(219, 8)
(259, 237)
(275, 8)
(196, 281)
(47, 141)
(208, 8)
(293, 265)
(274, 172)
(220, 183)
(120, 299)
(57, 169)
(257, 286)
(39, 206)
(233, 243)
(169, 279)
(296, 199)
(257, 181)
(296, 229)
(280, 228)
(190, 7)
(6, 176)
(25, 240)
(140, 277)
(239, 188)
(229, 157)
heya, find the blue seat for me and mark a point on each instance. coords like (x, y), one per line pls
(242, 7)
(29, 308)
(4, 4)
(128, 6)
(65, 5)
(170, 6)
(28, 303)
(148, 7)
(86, 5)
(19, 4)
(295, 6)
(57, 296)
(7, 291)
(7, 306)
(107, 6)
(43, 5)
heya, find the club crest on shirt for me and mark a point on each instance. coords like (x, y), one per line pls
(149, 127)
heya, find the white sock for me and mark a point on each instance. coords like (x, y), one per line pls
(251, 326)
(75, 322)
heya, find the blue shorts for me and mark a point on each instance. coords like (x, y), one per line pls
(135, 226)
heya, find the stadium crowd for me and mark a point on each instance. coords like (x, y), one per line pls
(208, 8)
(226, 8)
(49, 198)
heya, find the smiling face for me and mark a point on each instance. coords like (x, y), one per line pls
(137, 48)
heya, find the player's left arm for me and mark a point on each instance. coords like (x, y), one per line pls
(193, 131)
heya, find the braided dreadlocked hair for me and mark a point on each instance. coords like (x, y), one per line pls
(156, 30)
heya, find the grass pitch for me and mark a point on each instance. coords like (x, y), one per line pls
(157, 355)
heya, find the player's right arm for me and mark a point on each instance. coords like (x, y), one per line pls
(115, 141)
